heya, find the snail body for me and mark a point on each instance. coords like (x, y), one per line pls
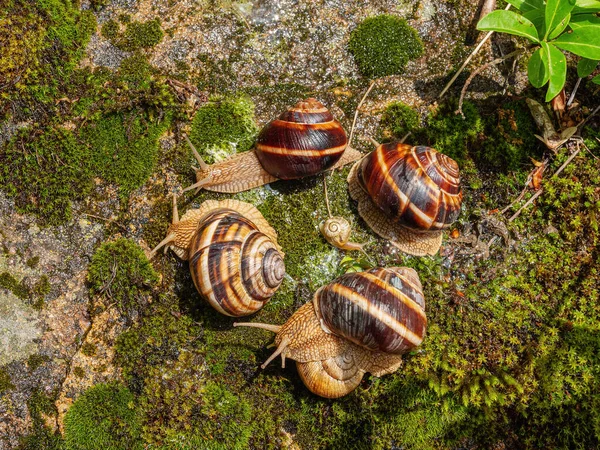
(304, 140)
(235, 261)
(361, 322)
(408, 195)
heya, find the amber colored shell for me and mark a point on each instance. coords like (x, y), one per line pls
(380, 309)
(305, 140)
(414, 186)
(234, 265)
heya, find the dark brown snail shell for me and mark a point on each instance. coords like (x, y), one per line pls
(305, 140)
(380, 309)
(360, 322)
(415, 186)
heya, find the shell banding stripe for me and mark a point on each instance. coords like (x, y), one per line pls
(409, 186)
(371, 314)
(216, 259)
(280, 134)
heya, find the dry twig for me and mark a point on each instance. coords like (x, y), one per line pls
(356, 112)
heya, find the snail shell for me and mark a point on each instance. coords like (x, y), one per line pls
(407, 195)
(360, 322)
(235, 261)
(304, 140)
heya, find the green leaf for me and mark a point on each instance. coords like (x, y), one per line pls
(586, 6)
(536, 69)
(585, 67)
(583, 41)
(537, 18)
(509, 22)
(560, 27)
(584, 20)
(596, 79)
(527, 5)
(556, 11)
(557, 70)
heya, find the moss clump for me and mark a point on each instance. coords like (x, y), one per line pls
(223, 127)
(33, 262)
(121, 272)
(44, 171)
(7, 281)
(42, 43)
(5, 382)
(36, 360)
(41, 405)
(79, 372)
(383, 45)
(450, 133)
(110, 29)
(88, 349)
(103, 417)
(509, 138)
(137, 35)
(124, 148)
(397, 120)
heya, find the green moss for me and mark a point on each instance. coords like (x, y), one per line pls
(103, 417)
(450, 133)
(44, 171)
(509, 138)
(43, 42)
(79, 372)
(36, 360)
(223, 127)
(88, 349)
(125, 148)
(7, 281)
(139, 35)
(5, 382)
(33, 262)
(110, 29)
(121, 272)
(383, 45)
(41, 405)
(40, 289)
(397, 120)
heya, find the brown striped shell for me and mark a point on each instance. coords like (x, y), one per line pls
(416, 186)
(234, 266)
(407, 195)
(304, 140)
(380, 309)
(235, 261)
(360, 322)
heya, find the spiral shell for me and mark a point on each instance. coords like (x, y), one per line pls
(380, 309)
(414, 186)
(336, 230)
(234, 265)
(305, 140)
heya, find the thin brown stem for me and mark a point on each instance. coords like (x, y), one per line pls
(478, 71)
(356, 112)
(468, 60)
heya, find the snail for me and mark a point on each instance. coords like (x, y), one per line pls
(361, 322)
(336, 229)
(407, 195)
(234, 258)
(304, 140)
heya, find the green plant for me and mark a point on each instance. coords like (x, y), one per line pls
(397, 120)
(383, 45)
(121, 272)
(103, 417)
(571, 25)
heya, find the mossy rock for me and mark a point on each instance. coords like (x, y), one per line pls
(383, 45)
(103, 417)
(397, 120)
(121, 272)
(223, 127)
